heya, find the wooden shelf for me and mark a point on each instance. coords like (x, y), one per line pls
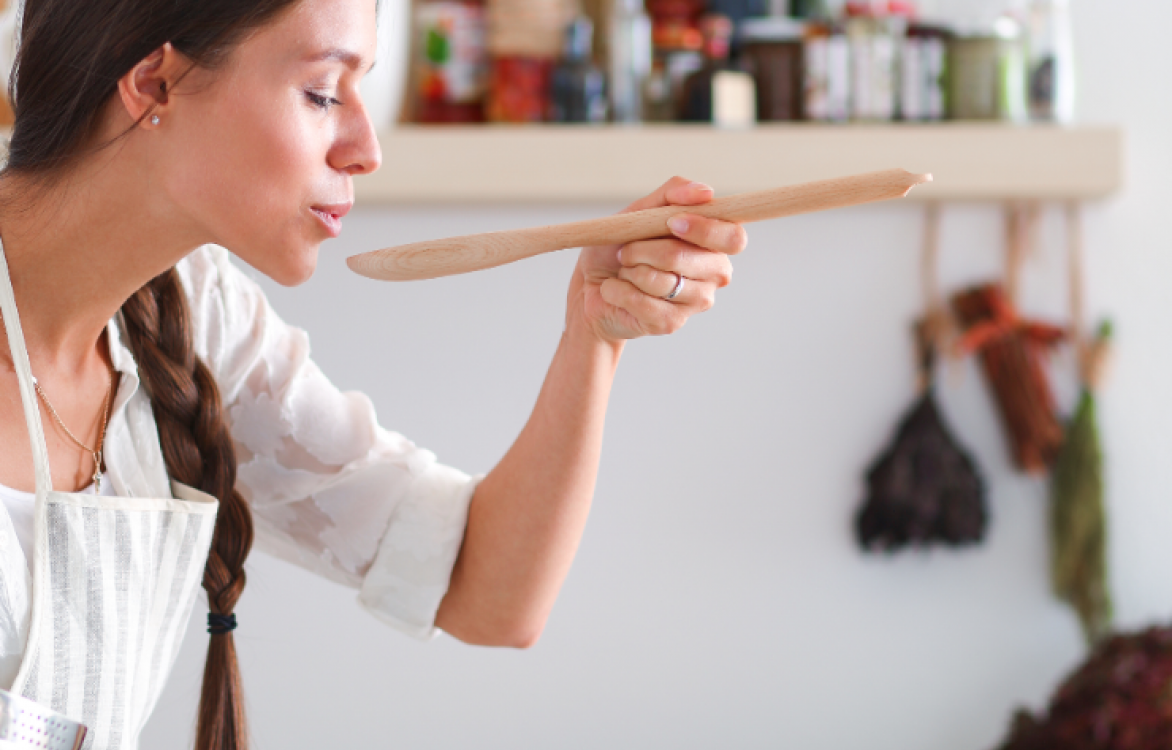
(544, 163)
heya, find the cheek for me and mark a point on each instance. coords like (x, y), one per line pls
(249, 178)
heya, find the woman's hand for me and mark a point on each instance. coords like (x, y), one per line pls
(618, 290)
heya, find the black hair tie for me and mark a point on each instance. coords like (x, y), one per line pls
(221, 624)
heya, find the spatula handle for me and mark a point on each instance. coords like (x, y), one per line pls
(435, 258)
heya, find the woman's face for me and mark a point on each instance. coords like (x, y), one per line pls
(262, 157)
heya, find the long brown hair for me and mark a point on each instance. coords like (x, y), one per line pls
(70, 58)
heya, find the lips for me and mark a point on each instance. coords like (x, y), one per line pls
(330, 215)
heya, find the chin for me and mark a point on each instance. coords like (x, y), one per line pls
(294, 270)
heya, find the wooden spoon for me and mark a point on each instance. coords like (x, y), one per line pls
(475, 252)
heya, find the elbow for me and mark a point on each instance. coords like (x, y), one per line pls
(520, 635)
(524, 637)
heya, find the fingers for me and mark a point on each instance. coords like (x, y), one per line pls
(711, 234)
(677, 191)
(652, 316)
(679, 257)
(694, 294)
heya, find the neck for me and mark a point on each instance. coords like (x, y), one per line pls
(78, 249)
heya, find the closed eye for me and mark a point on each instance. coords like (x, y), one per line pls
(320, 101)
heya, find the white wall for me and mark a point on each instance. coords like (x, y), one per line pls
(718, 600)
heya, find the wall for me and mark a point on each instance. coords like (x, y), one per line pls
(718, 599)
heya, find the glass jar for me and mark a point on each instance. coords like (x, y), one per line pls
(827, 72)
(923, 88)
(773, 52)
(987, 73)
(518, 89)
(449, 84)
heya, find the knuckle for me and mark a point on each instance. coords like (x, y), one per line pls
(724, 276)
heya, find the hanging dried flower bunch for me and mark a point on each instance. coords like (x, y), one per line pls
(1078, 520)
(1012, 352)
(1120, 699)
(924, 489)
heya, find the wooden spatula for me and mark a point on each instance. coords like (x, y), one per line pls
(474, 252)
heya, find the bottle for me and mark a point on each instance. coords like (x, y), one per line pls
(658, 94)
(630, 59)
(518, 89)
(827, 69)
(1051, 62)
(874, 35)
(772, 47)
(451, 66)
(924, 74)
(720, 92)
(577, 86)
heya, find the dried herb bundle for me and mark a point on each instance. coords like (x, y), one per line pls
(924, 488)
(1078, 535)
(1120, 699)
(1011, 352)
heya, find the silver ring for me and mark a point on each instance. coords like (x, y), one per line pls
(679, 286)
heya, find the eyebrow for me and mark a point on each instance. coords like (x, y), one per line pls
(353, 60)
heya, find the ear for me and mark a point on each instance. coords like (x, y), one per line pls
(146, 88)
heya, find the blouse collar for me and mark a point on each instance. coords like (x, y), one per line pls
(123, 361)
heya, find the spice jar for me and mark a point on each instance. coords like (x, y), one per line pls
(449, 81)
(987, 72)
(524, 39)
(519, 89)
(720, 92)
(875, 34)
(772, 49)
(923, 88)
(826, 71)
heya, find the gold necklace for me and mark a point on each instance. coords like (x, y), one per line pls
(97, 454)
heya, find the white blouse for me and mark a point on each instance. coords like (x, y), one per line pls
(330, 490)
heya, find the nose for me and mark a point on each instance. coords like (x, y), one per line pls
(357, 149)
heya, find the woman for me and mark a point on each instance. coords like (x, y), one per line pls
(149, 136)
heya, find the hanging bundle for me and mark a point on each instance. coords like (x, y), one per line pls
(924, 488)
(1011, 353)
(1119, 699)
(1077, 519)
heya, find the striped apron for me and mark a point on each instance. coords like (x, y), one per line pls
(114, 581)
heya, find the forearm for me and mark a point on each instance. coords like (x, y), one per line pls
(528, 514)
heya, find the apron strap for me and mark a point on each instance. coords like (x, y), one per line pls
(24, 374)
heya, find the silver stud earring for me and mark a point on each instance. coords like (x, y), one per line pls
(155, 120)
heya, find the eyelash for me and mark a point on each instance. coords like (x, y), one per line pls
(321, 102)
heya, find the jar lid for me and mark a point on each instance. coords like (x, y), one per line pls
(772, 29)
(1000, 28)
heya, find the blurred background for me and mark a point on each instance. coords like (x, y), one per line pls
(719, 598)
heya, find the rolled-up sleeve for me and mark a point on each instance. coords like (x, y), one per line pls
(330, 489)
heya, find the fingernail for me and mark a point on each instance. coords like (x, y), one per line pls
(699, 186)
(619, 255)
(677, 224)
